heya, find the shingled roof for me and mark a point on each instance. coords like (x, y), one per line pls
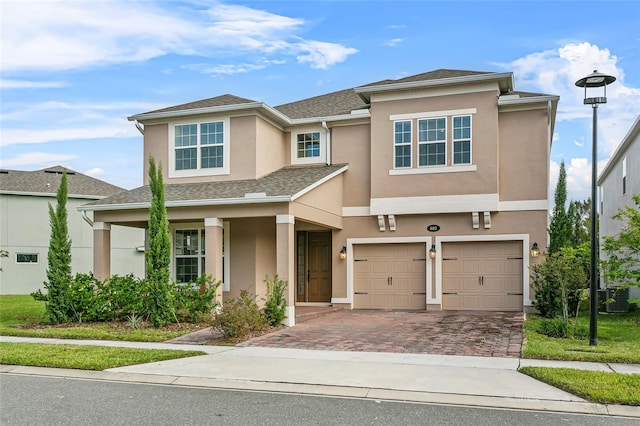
(217, 101)
(330, 104)
(431, 75)
(46, 182)
(284, 182)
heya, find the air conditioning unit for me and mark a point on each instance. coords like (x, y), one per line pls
(621, 297)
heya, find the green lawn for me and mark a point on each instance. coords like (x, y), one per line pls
(618, 340)
(83, 357)
(22, 316)
(595, 386)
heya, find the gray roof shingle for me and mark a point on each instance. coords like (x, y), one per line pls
(330, 104)
(222, 100)
(46, 182)
(283, 182)
(430, 75)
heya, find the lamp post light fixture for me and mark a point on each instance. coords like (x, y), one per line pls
(594, 80)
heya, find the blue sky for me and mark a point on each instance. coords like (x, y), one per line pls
(72, 71)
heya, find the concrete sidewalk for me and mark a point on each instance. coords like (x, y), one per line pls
(460, 380)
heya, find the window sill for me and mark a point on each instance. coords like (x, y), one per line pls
(430, 170)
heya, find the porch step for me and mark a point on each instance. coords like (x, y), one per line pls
(306, 313)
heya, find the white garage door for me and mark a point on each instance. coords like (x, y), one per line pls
(482, 276)
(390, 276)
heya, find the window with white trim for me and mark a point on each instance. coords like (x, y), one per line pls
(402, 144)
(26, 257)
(432, 142)
(308, 145)
(200, 148)
(462, 139)
(189, 255)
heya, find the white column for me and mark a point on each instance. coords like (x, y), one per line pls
(285, 261)
(213, 251)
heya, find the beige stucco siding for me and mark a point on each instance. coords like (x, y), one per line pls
(523, 152)
(270, 148)
(156, 145)
(484, 148)
(323, 205)
(243, 150)
(352, 145)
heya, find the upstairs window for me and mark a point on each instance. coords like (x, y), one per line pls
(308, 145)
(199, 149)
(402, 142)
(26, 257)
(462, 139)
(432, 142)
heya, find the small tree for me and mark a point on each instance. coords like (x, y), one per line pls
(560, 224)
(158, 256)
(275, 305)
(622, 266)
(57, 302)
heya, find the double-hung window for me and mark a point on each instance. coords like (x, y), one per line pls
(462, 139)
(402, 143)
(199, 148)
(432, 142)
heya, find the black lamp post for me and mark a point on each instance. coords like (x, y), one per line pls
(594, 79)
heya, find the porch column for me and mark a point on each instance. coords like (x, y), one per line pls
(101, 250)
(213, 251)
(285, 261)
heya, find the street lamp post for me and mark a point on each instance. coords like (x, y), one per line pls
(594, 79)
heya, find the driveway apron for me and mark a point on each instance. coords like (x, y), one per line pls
(473, 333)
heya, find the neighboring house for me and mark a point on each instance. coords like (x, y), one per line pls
(25, 230)
(618, 182)
(347, 195)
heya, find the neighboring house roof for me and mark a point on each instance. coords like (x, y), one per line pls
(46, 182)
(631, 135)
(282, 185)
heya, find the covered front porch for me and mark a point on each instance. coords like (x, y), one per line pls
(243, 240)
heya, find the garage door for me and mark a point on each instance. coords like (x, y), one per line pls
(390, 276)
(482, 276)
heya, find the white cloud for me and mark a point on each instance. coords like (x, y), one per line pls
(230, 69)
(579, 144)
(556, 71)
(63, 35)
(578, 178)
(96, 172)
(43, 159)
(393, 42)
(25, 84)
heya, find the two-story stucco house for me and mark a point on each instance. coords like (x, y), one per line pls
(25, 230)
(425, 192)
(618, 182)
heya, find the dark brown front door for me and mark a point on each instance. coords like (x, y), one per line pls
(314, 267)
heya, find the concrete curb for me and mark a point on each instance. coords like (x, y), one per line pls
(332, 391)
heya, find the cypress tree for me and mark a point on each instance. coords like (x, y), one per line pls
(57, 303)
(158, 256)
(560, 227)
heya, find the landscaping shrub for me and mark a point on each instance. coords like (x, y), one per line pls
(556, 327)
(122, 296)
(195, 301)
(239, 317)
(275, 303)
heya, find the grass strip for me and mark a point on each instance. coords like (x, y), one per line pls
(83, 357)
(618, 340)
(102, 331)
(594, 386)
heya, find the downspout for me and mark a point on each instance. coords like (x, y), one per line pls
(86, 218)
(326, 128)
(139, 127)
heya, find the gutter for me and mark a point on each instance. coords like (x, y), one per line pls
(189, 203)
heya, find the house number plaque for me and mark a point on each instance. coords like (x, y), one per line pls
(433, 228)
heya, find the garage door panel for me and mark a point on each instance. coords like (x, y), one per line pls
(486, 275)
(396, 272)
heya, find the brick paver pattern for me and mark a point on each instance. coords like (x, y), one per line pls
(488, 334)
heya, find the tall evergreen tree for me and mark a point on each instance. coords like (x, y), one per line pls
(158, 256)
(58, 304)
(560, 225)
(580, 219)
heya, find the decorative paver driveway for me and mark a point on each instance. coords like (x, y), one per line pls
(435, 332)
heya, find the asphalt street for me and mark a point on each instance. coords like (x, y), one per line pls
(34, 400)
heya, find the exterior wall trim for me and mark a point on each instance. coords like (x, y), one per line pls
(436, 204)
(432, 114)
(480, 238)
(522, 205)
(431, 169)
(356, 211)
(285, 218)
(382, 240)
(318, 183)
(101, 226)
